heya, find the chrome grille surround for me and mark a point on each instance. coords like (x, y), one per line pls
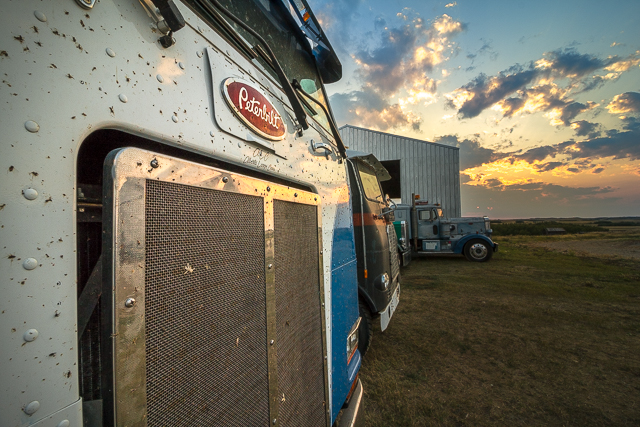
(198, 341)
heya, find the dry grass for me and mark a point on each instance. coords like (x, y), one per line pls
(533, 337)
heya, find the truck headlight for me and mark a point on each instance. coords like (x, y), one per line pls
(402, 242)
(352, 340)
(382, 282)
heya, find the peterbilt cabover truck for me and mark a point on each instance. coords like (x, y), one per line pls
(375, 239)
(430, 232)
(177, 244)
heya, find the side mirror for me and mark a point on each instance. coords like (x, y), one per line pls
(392, 206)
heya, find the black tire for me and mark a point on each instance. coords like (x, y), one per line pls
(478, 250)
(365, 332)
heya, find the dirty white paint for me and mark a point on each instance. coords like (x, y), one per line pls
(67, 72)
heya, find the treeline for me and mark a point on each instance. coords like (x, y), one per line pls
(537, 229)
(619, 223)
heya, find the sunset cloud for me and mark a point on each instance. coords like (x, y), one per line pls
(619, 145)
(625, 103)
(585, 128)
(541, 189)
(369, 109)
(406, 54)
(398, 67)
(472, 153)
(537, 86)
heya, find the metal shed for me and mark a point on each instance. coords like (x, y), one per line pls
(421, 167)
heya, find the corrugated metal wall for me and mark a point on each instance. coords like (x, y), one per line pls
(426, 168)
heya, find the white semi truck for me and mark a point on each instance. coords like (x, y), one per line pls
(177, 243)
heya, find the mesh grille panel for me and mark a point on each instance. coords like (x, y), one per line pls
(393, 251)
(205, 312)
(298, 311)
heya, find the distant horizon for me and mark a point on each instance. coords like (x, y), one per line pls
(567, 218)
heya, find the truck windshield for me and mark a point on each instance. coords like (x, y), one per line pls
(370, 184)
(275, 24)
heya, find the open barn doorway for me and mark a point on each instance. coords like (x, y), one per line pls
(393, 186)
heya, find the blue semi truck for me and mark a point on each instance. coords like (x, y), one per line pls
(430, 231)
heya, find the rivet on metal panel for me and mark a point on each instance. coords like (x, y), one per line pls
(30, 335)
(32, 407)
(30, 193)
(275, 421)
(30, 263)
(268, 188)
(174, 118)
(154, 163)
(123, 98)
(271, 342)
(181, 65)
(40, 16)
(110, 52)
(31, 126)
(212, 133)
(239, 146)
(130, 302)
(64, 423)
(295, 194)
(225, 179)
(160, 78)
(270, 266)
(199, 53)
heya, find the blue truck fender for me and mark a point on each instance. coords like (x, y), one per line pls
(459, 245)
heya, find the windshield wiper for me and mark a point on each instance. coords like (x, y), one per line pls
(298, 109)
(332, 125)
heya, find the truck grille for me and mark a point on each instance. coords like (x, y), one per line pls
(301, 380)
(206, 358)
(393, 255)
(216, 314)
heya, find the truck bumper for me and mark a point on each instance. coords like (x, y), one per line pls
(353, 414)
(495, 247)
(405, 258)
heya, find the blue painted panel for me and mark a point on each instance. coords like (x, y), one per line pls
(344, 313)
(344, 247)
(344, 303)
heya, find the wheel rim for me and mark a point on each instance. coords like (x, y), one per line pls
(478, 251)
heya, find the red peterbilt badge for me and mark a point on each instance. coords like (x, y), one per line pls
(252, 107)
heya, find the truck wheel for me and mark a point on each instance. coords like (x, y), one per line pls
(365, 332)
(478, 251)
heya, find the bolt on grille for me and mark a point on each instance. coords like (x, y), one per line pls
(393, 253)
(301, 379)
(205, 309)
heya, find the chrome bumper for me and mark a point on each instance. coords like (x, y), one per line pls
(353, 414)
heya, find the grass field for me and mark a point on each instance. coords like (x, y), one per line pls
(532, 338)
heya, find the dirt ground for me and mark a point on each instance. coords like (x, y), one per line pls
(622, 248)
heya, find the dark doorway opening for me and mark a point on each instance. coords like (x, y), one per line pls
(392, 187)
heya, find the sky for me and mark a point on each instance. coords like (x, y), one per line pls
(541, 97)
